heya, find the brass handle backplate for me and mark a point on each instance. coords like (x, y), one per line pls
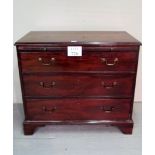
(104, 60)
(108, 86)
(51, 61)
(107, 109)
(45, 109)
(47, 85)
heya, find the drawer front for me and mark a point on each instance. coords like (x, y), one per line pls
(78, 85)
(89, 61)
(77, 109)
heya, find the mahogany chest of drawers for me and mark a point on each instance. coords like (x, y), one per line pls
(78, 77)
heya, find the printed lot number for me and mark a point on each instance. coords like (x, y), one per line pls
(74, 51)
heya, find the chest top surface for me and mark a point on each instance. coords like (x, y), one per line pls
(111, 38)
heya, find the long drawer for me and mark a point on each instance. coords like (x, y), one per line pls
(67, 85)
(89, 61)
(77, 109)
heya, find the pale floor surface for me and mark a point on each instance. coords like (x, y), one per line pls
(76, 139)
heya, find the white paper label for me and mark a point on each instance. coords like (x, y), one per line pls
(74, 51)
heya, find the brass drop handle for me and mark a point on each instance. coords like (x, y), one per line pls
(52, 60)
(45, 109)
(47, 85)
(104, 60)
(108, 86)
(107, 109)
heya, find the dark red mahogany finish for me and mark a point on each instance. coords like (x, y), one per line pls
(95, 88)
(77, 109)
(77, 85)
(92, 60)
